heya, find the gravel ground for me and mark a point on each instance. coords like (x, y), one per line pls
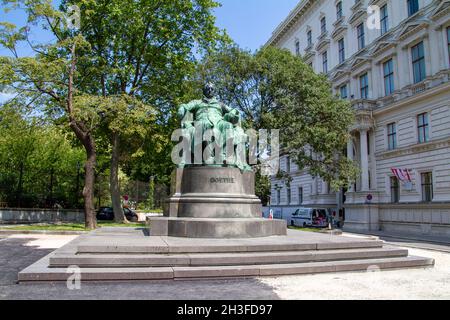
(410, 284)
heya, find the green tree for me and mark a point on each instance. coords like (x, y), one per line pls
(125, 51)
(275, 89)
(18, 141)
(38, 163)
(141, 52)
(50, 79)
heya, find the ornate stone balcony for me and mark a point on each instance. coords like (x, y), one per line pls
(363, 104)
(364, 114)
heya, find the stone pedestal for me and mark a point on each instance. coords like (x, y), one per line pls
(214, 202)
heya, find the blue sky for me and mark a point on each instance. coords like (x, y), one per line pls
(251, 22)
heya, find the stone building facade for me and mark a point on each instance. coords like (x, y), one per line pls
(393, 64)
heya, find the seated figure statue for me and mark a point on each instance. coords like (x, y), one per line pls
(200, 116)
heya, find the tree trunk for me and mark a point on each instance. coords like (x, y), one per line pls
(20, 187)
(119, 216)
(88, 190)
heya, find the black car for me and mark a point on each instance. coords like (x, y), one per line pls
(107, 214)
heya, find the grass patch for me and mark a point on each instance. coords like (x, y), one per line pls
(70, 226)
(306, 229)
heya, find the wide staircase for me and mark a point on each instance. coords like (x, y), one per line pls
(106, 255)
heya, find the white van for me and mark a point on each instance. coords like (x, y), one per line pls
(309, 217)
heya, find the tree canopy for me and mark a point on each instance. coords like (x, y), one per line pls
(277, 90)
(124, 64)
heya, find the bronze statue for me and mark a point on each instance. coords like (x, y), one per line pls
(210, 116)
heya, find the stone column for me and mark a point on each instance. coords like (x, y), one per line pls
(324, 187)
(364, 161)
(350, 156)
(314, 186)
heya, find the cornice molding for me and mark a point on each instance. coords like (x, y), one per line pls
(441, 11)
(292, 18)
(414, 149)
(411, 29)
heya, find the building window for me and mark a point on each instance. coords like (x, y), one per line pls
(448, 43)
(339, 10)
(309, 37)
(395, 190)
(288, 164)
(325, 62)
(300, 195)
(384, 19)
(341, 45)
(297, 48)
(427, 187)
(361, 36)
(364, 86)
(323, 25)
(288, 190)
(392, 136)
(343, 92)
(418, 61)
(413, 7)
(388, 72)
(423, 127)
(278, 196)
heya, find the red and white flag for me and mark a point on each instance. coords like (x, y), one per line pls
(402, 174)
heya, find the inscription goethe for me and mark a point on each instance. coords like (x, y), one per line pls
(221, 180)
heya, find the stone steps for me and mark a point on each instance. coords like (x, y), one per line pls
(220, 259)
(208, 272)
(118, 255)
(138, 248)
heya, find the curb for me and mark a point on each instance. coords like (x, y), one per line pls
(332, 232)
(44, 232)
(404, 237)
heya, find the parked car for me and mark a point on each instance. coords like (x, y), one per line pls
(107, 214)
(310, 217)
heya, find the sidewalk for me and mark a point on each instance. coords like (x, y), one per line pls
(407, 240)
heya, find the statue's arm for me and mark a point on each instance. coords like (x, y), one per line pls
(185, 113)
(185, 108)
(225, 109)
(230, 114)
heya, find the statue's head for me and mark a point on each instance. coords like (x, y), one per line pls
(209, 90)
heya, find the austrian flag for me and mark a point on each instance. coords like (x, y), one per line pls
(402, 174)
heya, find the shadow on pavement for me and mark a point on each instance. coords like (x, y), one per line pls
(15, 255)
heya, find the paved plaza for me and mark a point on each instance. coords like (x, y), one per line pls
(19, 251)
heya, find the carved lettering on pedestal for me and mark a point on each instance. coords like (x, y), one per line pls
(221, 180)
